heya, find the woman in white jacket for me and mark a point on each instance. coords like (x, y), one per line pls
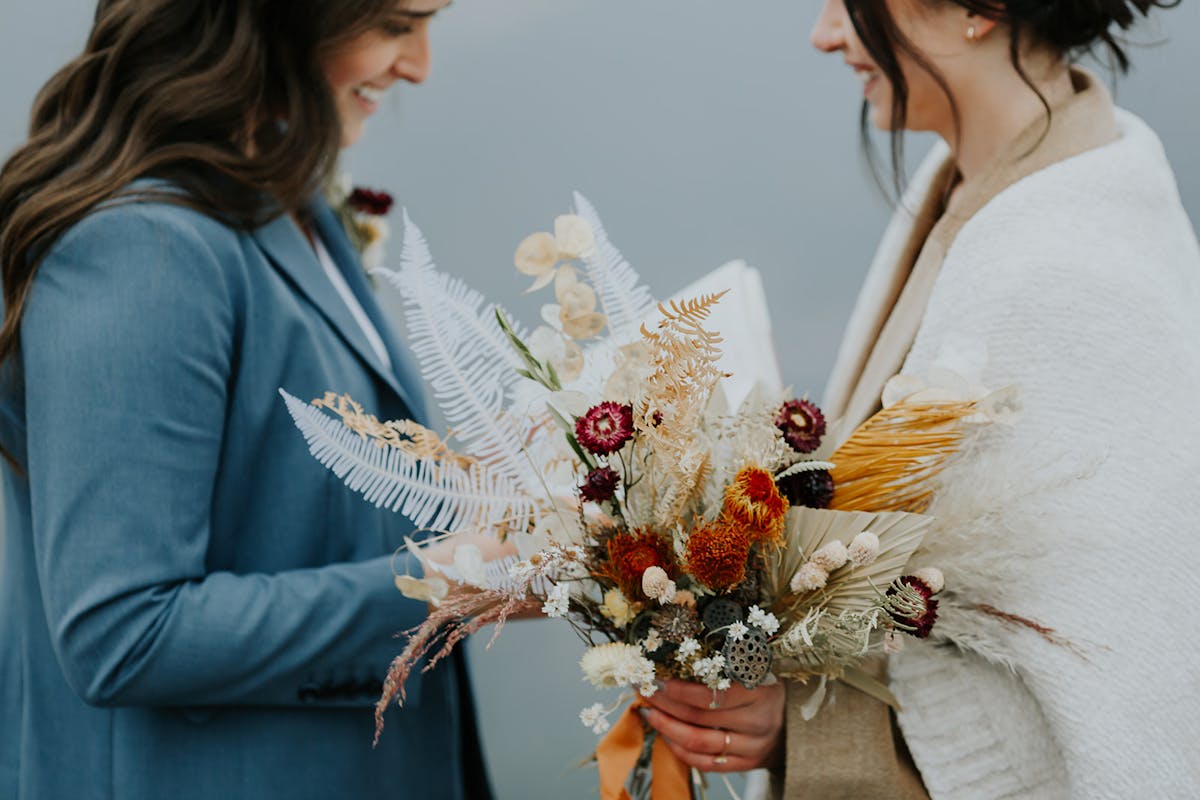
(1042, 245)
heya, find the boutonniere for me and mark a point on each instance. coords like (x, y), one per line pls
(363, 214)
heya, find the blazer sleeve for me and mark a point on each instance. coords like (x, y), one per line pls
(127, 352)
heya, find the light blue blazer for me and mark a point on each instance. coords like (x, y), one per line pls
(190, 605)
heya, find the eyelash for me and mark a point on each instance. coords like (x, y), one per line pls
(396, 28)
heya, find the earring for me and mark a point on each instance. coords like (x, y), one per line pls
(970, 33)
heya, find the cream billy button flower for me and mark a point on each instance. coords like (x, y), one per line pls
(864, 549)
(833, 555)
(809, 577)
(931, 577)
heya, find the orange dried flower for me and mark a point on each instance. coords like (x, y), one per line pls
(717, 553)
(754, 500)
(630, 555)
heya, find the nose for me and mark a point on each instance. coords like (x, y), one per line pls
(414, 62)
(829, 32)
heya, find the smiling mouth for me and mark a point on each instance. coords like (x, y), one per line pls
(868, 76)
(368, 94)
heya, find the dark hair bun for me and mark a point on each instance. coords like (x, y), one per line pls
(1081, 25)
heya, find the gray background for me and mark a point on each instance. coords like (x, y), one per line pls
(702, 131)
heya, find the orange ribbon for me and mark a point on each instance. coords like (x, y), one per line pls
(618, 752)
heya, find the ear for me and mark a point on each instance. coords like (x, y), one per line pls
(979, 27)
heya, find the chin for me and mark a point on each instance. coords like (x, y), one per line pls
(881, 117)
(351, 134)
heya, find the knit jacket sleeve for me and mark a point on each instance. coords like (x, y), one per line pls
(1082, 285)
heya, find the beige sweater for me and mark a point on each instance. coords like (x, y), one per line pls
(853, 749)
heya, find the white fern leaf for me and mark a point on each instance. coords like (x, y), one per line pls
(626, 301)
(433, 495)
(468, 364)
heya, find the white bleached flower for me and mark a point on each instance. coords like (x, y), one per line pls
(737, 631)
(549, 345)
(595, 717)
(648, 689)
(557, 601)
(864, 549)
(574, 237)
(723, 685)
(658, 585)
(709, 669)
(808, 578)
(832, 555)
(617, 608)
(652, 641)
(609, 666)
(428, 590)
(375, 233)
(931, 577)
(687, 648)
(764, 620)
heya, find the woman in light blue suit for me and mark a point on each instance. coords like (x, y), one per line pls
(190, 606)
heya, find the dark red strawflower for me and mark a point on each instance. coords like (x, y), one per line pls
(920, 618)
(812, 488)
(366, 201)
(600, 485)
(802, 424)
(605, 428)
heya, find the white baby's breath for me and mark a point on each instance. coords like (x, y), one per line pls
(557, 601)
(737, 631)
(652, 641)
(764, 620)
(687, 648)
(595, 717)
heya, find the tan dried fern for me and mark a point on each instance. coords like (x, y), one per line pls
(406, 435)
(683, 361)
(890, 461)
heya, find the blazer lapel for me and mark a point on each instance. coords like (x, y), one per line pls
(292, 255)
(348, 261)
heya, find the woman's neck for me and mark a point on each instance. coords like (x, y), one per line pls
(998, 106)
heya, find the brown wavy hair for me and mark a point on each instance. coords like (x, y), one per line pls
(223, 98)
(1069, 27)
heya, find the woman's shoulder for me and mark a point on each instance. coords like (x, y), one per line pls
(148, 209)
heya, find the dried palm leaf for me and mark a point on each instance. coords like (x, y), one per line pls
(850, 588)
(890, 461)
